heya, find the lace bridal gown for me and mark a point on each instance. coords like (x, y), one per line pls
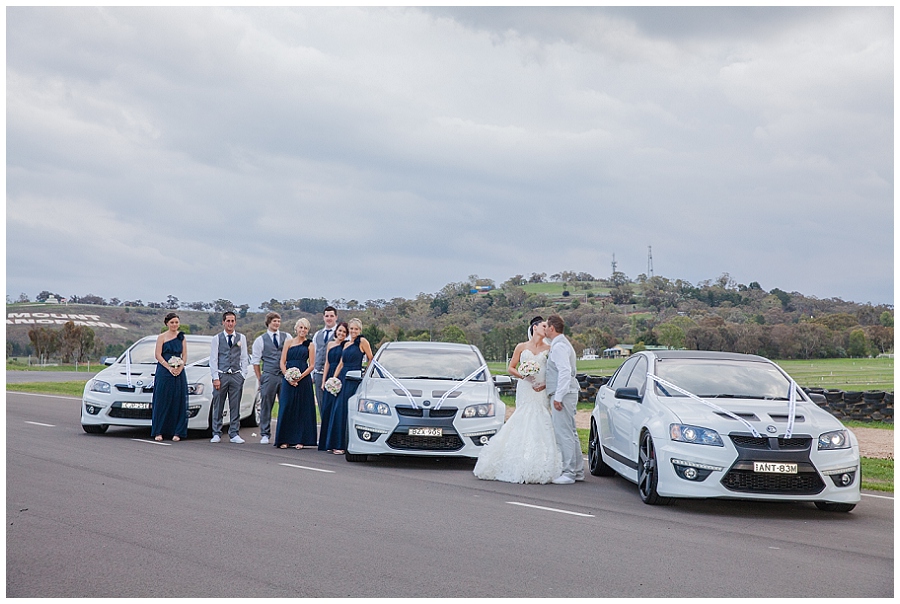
(524, 450)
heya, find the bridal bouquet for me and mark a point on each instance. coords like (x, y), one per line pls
(293, 374)
(175, 362)
(332, 385)
(529, 369)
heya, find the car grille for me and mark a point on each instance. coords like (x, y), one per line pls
(420, 412)
(448, 442)
(445, 412)
(761, 442)
(116, 410)
(409, 411)
(747, 481)
(126, 388)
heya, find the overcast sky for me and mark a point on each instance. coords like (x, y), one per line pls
(366, 153)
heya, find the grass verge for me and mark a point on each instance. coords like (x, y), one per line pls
(877, 474)
(62, 388)
(850, 423)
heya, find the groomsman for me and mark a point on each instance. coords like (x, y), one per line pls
(228, 362)
(321, 339)
(267, 348)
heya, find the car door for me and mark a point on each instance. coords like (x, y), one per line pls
(628, 414)
(608, 403)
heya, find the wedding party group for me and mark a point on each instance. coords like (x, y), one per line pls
(538, 444)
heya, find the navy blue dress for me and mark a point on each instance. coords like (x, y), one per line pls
(336, 436)
(296, 404)
(170, 395)
(325, 409)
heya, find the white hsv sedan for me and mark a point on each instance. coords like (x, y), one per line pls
(709, 424)
(424, 398)
(111, 399)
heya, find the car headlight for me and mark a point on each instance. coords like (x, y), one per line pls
(838, 439)
(195, 388)
(100, 386)
(375, 407)
(695, 435)
(482, 410)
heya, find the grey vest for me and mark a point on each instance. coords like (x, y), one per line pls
(229, 358)
(553, 373)
(319, 341)
(271, 356)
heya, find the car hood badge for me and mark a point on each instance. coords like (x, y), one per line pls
(771, 429)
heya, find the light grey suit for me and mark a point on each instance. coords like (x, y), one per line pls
(563, 387)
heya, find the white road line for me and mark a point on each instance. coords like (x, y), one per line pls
(40, 424)
(44, 395)
(290, 465)
(538, 507)
(875, 496)
(152, 442)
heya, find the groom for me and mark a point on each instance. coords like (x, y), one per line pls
(563, 389)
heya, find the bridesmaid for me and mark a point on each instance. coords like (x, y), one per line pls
(170, 391)
(351, 359)
(332, 359)
(296, 402)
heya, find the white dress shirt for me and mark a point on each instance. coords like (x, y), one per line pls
(561, 353)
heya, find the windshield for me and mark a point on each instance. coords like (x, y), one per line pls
(430, 364)
(143, 352)
(708, 378)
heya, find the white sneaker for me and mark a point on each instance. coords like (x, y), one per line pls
(563, 479)
(264, 440)
(215, 438)
(236, 439)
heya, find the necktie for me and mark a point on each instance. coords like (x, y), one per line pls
(229, 341)
(275, 339)
(327, 335)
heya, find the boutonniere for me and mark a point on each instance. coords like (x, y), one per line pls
(240, 342)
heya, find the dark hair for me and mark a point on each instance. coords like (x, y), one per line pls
(556, 322)
(269, 317)
(228, 312)
(344, 325)
(537, 319)
(331, 308)
(169, 317)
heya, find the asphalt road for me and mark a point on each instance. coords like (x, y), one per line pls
(119, 515)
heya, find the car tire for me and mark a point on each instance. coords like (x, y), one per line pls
(648, 472)
(94, 428)
(830, 506)
(207, 432)
(252, 420)
(596, 465)
(356, 457)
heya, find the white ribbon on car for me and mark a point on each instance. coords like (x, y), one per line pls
(792, 409)
(459, 385)
(128, 368)
(388, 375)
(713, 406)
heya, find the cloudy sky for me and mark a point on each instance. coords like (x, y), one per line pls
(366, 153)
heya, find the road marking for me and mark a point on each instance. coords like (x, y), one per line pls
(40, 424)
(539, 507)
(152, 442)
(290, 465)
(875, 496)
(45, 395)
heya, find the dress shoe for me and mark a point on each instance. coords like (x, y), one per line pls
(563, 479)
(215, 438)
(236, 439)
(264, 440)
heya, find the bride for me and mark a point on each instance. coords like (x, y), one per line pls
(524, 450)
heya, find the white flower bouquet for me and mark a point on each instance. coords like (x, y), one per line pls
(332, 385)
(528, 369)
(176, 362)
(293, 374)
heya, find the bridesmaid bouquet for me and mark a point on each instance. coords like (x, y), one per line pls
(175, 362)
(529, 369)
(332, 385)
(293, 374)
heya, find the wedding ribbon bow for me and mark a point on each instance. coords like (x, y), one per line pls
(388, 375)
(128, 368)
(459, 385)
(792, 409)
(713, 406)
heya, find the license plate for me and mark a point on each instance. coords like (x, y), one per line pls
(426, 431)
(774, 468)
(135, 405)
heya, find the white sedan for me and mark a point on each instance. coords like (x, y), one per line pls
(709, 424)
(423, 398)
(110, 399)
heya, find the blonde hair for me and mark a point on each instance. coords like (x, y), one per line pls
(301, 321)
(356, 322)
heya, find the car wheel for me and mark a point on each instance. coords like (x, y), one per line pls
(595, 456)
(253, 419)
(355, 457)
(207, 432)
(95, 428)
(648, 472)
(829, 506)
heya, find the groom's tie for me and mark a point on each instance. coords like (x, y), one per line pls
(327, 334)
(275, 339)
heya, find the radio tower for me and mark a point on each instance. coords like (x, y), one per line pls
(614, 264)
(649, 261)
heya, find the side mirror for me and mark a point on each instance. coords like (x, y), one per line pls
(817, 398)
(355, 375)
(502, 380)
(629, 394)
(109, 360)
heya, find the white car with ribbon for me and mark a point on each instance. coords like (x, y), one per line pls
(700, 424)
(120, 395)
(423, 398)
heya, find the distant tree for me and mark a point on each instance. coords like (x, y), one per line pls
(114, 302)
(374, 334)
(886, 319)
(90, 299)
(882, 338)
(452, 333)
(515, 281)
(23, 298)
(221, 305)
(783, 296)
(440, 306)
(44, 341)
(242, 311)
(199, 306)
(639, 346)
(172, 302)
(537, 278)
(859, 345)
(44, 295)
(155, 305)
(133, 303)
(585, 277)
(671, 335)
(213, 320)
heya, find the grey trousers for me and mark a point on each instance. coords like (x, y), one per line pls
(269, 386)
(567, 437)
(320, 393)
(231, 386)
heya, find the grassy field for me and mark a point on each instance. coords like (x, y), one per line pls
(62, 388)
(16, 365)
(877, 474)
(556, 288)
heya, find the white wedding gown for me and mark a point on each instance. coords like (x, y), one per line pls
(524, 450)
